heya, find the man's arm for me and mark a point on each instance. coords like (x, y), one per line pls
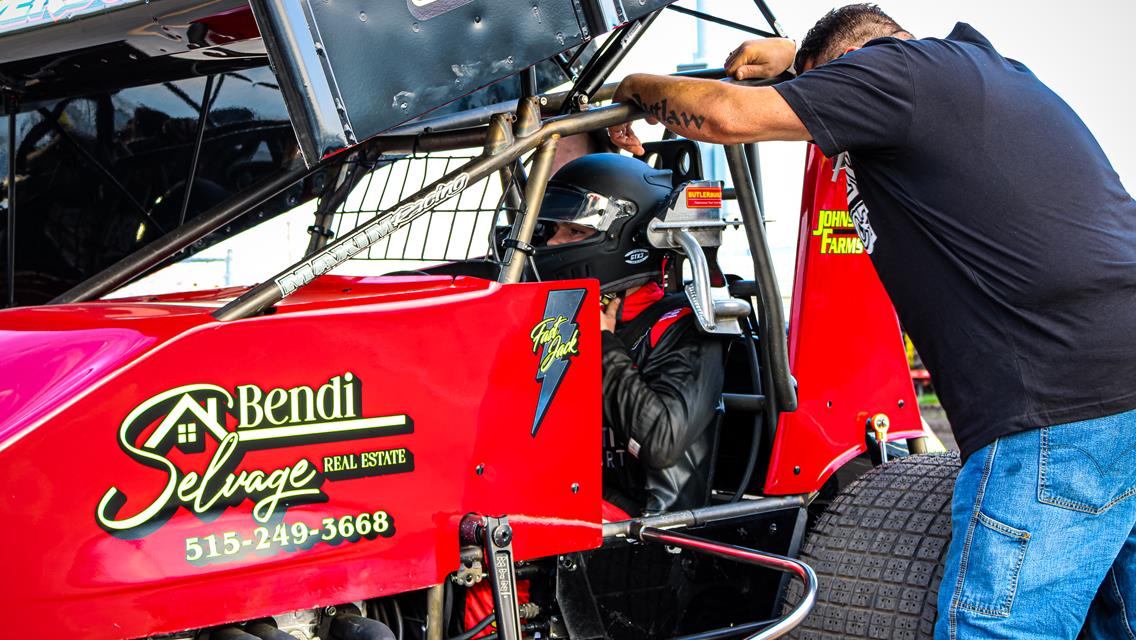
(707, 110)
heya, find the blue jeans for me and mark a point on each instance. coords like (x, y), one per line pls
(1044, 536)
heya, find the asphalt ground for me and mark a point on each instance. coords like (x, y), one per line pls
(935, 417)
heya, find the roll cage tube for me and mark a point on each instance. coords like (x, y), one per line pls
(153, 254)
(604, 62)
(268, 293)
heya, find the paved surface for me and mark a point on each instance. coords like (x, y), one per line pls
(938, 420)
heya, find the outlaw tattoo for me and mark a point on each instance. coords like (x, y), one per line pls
(660, 112)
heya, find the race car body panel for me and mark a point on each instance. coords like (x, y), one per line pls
(181, 472)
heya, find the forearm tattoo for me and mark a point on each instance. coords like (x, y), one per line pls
(660, 112)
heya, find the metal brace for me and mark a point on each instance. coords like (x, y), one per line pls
(497, 540)
(317, 230)
(878, 430)
(471, 570)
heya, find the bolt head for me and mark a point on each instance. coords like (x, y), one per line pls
(480, 469)
(575, 487)
(502, 535)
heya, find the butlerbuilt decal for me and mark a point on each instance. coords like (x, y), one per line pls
(555, 339)
(198, 435)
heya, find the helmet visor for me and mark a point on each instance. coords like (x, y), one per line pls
(585, 208)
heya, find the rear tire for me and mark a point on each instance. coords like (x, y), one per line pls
(878, 553)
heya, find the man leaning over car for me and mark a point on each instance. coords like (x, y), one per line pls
(1008, 246)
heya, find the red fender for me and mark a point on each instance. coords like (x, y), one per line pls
(845, 346)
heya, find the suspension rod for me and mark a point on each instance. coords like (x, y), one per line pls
(704, 515)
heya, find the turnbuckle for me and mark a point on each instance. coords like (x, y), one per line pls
(495, 537)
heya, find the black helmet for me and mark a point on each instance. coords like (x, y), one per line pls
(617, 196)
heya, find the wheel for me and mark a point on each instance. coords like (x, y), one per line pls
(878, 553)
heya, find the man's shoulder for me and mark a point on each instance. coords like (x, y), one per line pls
(965, 33)
(671, 319)
(962, 34)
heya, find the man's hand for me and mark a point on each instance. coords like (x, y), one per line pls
(622, 135)
(762, 58)
(609, 315)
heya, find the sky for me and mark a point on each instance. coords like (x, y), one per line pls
(1084, 51)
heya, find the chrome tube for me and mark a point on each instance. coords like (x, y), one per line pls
(756, 558)
(700, 268)
(613, 531)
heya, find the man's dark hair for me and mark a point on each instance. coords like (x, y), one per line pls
(849, 26)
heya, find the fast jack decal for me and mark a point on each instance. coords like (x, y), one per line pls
(555, 340)
(198, 435)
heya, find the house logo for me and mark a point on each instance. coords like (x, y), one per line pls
(192, 415)
(199, 435)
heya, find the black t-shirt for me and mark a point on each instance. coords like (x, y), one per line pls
(995, 222)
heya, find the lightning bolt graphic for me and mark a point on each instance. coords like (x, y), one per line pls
(560, 304)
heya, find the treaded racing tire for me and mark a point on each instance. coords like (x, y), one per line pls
(878, 553)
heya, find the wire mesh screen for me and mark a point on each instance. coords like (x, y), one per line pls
(460, 228)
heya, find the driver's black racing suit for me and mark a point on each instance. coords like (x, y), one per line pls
(662, 384)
